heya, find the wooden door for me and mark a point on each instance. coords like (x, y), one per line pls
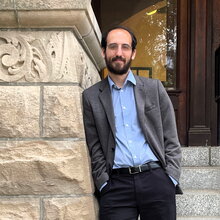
(216, 72)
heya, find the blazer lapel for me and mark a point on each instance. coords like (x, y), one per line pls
(143, 102)
(106, 100)
(140, 98)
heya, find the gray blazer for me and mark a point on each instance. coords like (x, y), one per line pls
(157, 120)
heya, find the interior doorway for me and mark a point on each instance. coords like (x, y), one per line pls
(155, 23)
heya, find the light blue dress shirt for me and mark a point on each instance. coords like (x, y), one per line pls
(131, 148)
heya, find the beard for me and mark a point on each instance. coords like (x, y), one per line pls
(117, 68)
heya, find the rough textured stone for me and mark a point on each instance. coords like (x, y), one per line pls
(215, 156)
(80, 208)
(195, 156)
(19, 112)
(6, 4)
(198, 218)
(48, 4)
(40, 167)
(200, 178)
(19, 209)
(202, 203)
(62, 112)
(49, 51)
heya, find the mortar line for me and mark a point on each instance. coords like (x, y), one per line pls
(47, 196)
(41, 209)
(43, 139)
(41, 108)
(16, 14)
(40, 84)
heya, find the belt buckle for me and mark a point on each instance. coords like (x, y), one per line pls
(135, 172)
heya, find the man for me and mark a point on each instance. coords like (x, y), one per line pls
(131, 135)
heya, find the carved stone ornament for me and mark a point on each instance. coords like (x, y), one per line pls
(33, 58)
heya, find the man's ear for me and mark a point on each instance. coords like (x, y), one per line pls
(133, 54)
(103, 52)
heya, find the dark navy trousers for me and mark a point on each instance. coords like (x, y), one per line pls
(150, 195)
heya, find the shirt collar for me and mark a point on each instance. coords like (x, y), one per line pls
(129, 78)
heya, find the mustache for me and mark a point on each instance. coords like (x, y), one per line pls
(118, 58)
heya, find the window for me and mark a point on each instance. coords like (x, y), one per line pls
(154, 24)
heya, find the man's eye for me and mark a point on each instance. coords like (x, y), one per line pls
(113, 46)
(126, 47)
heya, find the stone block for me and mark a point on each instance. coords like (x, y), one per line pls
(195, 156)
(198, 203)
(198, 218)
(19, 209)
(44, 167)
(200, 178)
(7, 4)
(62, 112)
(48, 4)
(19, 112)
(7, 19)
(80, 208)
(215, 156)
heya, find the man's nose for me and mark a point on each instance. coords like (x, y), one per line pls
(118, 51)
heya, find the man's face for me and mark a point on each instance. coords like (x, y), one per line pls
(118, 54)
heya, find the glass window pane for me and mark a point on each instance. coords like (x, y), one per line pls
(154, 24)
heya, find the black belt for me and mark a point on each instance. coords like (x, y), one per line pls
(134, 170)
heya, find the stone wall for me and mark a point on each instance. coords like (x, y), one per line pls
(49, 53)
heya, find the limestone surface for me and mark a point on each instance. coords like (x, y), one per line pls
(80, 208)
(62, 115)
(43, 168)
(19, 112)
(19, 209)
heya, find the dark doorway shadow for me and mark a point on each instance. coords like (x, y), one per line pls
(217, 91)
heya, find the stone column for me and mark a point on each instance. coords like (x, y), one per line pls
(49, 53)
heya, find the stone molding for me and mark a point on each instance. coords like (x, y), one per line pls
(81, 20)
(44, 56)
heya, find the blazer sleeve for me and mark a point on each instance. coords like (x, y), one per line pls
(98, 161)
(171, 142)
